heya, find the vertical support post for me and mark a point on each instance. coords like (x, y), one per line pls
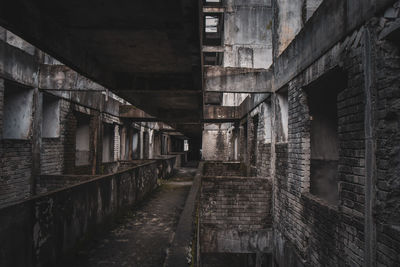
(1, 107)
(97, 144)
(273, 160)
(370, 160)
(130, 131)
(36, 138)
(141, 142)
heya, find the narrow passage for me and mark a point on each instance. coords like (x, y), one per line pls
(145, 233)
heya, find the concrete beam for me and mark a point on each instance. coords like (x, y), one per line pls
(220, 114)
(131, 112)
(213, 49)
(18, 66)
(52, 38)
(61, 77)
(213, 9)
(237, 80)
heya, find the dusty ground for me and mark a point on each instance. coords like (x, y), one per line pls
(145, 233)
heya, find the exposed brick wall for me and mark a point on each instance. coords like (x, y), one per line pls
(15, 170)
(52, 153)
(263, 160)
(321, 234)
(388, 154)
(15, 164)
(235, 215)
(215, 168)
(69, 144)
(242, 203)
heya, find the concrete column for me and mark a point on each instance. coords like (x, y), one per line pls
(1, 107)
(141, 141)
(273, 162)
(97, 143)
(117, 143)
(151, 144)
(130, 147)
(370, 144)
(36, 138)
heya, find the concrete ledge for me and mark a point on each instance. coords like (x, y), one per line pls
(180, 247)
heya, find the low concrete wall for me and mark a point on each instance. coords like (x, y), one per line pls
(49, 183)
(185, 234)
(39, 231)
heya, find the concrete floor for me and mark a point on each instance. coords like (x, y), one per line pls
(143, 236)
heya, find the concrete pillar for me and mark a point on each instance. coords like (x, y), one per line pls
(130, 145)
(96, 143)
(370, 145)
(117, 143)
(1, 107)
(141, 141)
(36, 138)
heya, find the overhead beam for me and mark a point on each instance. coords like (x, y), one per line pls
(18, 66)
(220, 114)
(219, 49)
(237, 80)
(160, 92)
(61, 77)
(52, 39)
(133, 113)
(213, 9)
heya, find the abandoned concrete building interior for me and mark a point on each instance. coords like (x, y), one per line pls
(200, 133)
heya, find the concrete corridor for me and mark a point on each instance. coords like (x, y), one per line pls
(142, 237)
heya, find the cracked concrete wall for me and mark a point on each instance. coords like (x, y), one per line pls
(289, 18)
(219, 141)
(247, 39)
(248, 34)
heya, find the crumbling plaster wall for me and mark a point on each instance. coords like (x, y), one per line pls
(289, 18)
(248, 34)
(218, 141)
(247, 39)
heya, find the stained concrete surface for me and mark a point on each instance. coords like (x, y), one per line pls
(146, 231)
